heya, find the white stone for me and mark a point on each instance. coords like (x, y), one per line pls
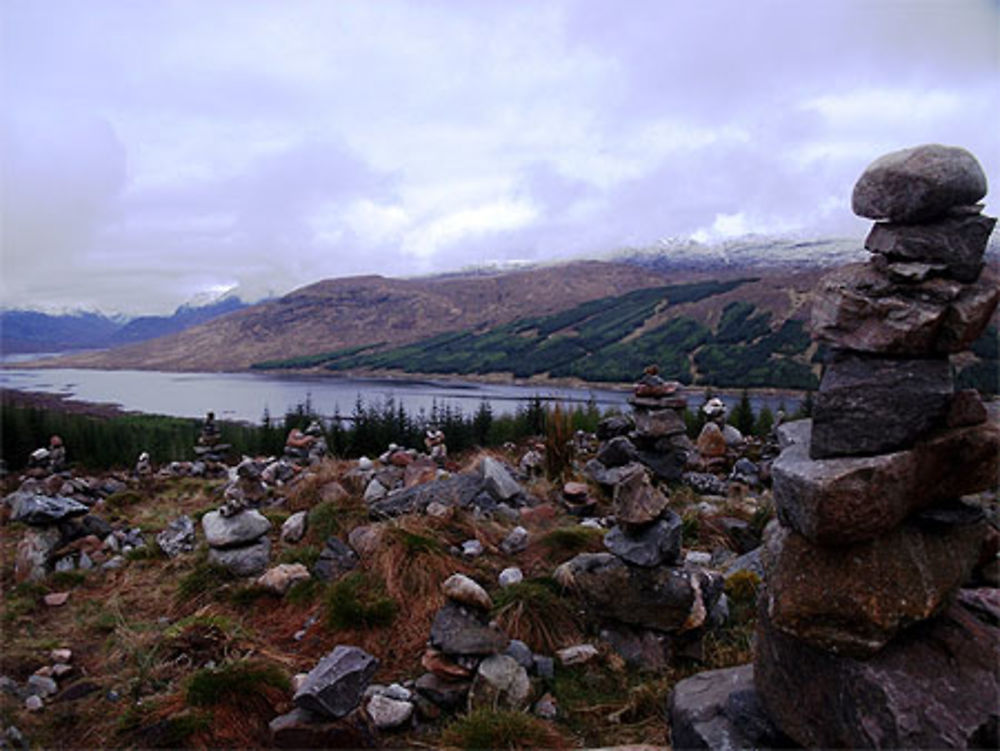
(294, 527)
(697, 558)
(387, 713)
(472, 548)
(578, 654)
(462, 589)
(511, 576)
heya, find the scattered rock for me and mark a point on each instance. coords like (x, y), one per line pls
(498, 481)
(445, 694)
(704, 483)
(463, 590)
(178, 537)
(719, 709)
(41, 685)
(375, 491)
(515, 542)
(55, 599)
(510, 576)
(578, 654)
(500, 683)
(711, 442)
(294, 527)
(300, 729)
(33, 553)
(335, 686)
(34, 703)
(335, 560)
(281, 577)
(472, 548)
(43, 510)
(521, 653)
(387, 713)
(460, 630)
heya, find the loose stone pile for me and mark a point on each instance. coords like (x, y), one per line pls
(306, 447)
(865, 637)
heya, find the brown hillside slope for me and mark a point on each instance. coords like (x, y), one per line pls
(339, 313)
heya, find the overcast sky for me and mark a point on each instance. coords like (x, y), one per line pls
(157, 150)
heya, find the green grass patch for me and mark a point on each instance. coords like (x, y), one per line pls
(67, 579)
(416, 544)
(568, 541)
(249, 595)
(494, 729)
(358, 601)
(304, 592)
(323, 521)
(307, 555)
(232, 683)
(205, 578)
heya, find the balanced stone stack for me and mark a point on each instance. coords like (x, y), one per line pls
(865, 637)
(210, 448)
(655, 436)
(650, 607)
(462, 640)
(238, 542)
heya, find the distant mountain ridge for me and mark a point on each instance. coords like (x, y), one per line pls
(28, 331)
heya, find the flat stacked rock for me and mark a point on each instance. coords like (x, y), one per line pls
(861, 642)
(238, 542)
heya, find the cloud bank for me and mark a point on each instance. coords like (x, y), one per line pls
(156, 151)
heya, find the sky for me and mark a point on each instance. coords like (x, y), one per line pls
(159, 151)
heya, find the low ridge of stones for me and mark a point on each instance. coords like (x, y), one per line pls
(866, 637)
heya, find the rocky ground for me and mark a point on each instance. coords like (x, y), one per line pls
(384, 602)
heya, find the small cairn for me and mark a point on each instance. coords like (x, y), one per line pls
(49, 460)
(866, 636)
(653, 437)
(436, 448)
(308, 447)
(237, 538)
(209, 448)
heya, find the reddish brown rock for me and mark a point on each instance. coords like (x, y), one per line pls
(443, 667)
(966, 409)
(853, 600)
(934, 686)
(333, 492)
(711, 442)
(844, 500)
(636, 501)
(421, 471)
(856, 307)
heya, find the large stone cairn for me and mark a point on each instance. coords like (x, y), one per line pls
(865, 638)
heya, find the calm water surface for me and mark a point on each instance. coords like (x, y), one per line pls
(245, 396)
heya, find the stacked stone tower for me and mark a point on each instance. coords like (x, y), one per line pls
(866, 638)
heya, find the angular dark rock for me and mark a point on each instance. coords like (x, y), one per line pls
(956, 244)
(335, 686)
(966, 409)
(666, 466)
(650, 545)
(636, 501)
(642, 648)
(335, 560)
(178, 537)
(445, 694)
(719, 710)
(459, 630)
(75, 528)
(668, 599)
(843, 500)
(659, 423)
(42, 510)
(609, 477)
(613, 426)
(853, 600)
(934, 686)
(301, 728)
(458, 490)
(498, 480)
(874, 405)
(617, 452)
(918, 184)
(856, 307)
(248, 560)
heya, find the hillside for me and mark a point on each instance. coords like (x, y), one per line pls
(29, 331)
(343, 313)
